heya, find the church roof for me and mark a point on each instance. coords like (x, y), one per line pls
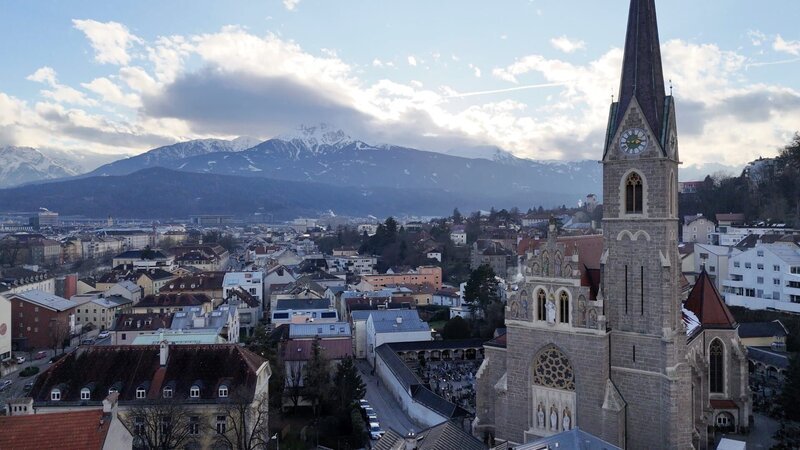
(642, 75)
(706, 304)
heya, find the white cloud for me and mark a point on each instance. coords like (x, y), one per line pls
(567, 45)
(112, 93)
(58, 92)
(475, 70)
(412, 61)
(110, 40)
(43, 75)
(790, 47)
(290, 4)
(757, 38)
(377, 63)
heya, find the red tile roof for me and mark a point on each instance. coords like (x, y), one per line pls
(78, 430)
(590, 248)
(704, 301)
(333, 349)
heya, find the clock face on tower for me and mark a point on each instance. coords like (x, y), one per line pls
(633, 141)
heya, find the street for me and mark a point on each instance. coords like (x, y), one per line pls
(18, 382)
(390, 415)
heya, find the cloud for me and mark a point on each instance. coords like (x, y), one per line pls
(57, 91)
(290, 4)
(110, 40)
(790, 47)
(112, 93)
(567, 45)
(475, 70)
(757, 38)
(412, 61)
(43, 75)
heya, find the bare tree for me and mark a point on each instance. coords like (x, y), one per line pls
(246, 421)
(164, 425)
(294, 381)
(59, 332)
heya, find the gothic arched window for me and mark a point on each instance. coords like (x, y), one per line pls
(552, 369)
(563, 307)
(634, 192)
(716, 367)
(541, 302)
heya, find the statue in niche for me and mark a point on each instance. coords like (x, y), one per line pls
(553, 418)
(558, 267)
(540, 416)
(525, 307)
(514, 309)
(566, 421)
(551, 310)
(592, 323)
(536, 269)
(546, 266)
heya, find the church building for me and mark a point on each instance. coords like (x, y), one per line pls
(603, 340)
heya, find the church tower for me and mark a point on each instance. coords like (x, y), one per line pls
(641, 267)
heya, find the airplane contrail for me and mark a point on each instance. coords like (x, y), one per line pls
(511, 89)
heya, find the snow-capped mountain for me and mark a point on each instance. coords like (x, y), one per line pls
(169, 155)
(19, 165)
(324, 154)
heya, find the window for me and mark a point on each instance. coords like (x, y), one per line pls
(776, 281)
(712, 268)
(760, 253)
(541, 302)
(55, 395)
(166, 424)
(141, 393)
(747, 265)
(123, 337)
(736, 264)
(795, 270)
(138, 426)
(760, 267)
(223, 391)
(760, 280)
(776, 295)
(167, 392)
(221, 423)
(86, 394)
(194, 425)
(194, 392)
(633, 194)
(776, 268)
(715, 367)
(563, 307)
(112, 390)
(703, 255)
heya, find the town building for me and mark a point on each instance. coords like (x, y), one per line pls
(765, 277)
(208, 257)
(715, 260)
(130, 326)
(250, 282)
(300, 310)
(201, 378)
(143, 259)
(421, 275)
(40, 320)
(458, 235)
(5, 328)
(14, 280)
(387, 326)
(698, 229)
(207, 283)
(763, 334)
(446, 435)
(167, 303)
(251, 311)
(101, 312)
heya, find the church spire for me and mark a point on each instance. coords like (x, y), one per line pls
(642, 75)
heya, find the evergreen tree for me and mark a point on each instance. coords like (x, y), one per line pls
(348, 383)
(457, 217)
(456, 328)
(482, 288)
(317, 378)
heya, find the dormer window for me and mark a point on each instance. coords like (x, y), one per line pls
(194, 392)
(223, 391)
(112, 390)
(55, 395)
(167, 392)
(86, 394)
(140, 393)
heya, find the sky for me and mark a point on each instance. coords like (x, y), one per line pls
(533, 77)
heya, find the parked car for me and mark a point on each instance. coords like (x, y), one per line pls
(375, 431)
(363, 403)
(5, 384)
(40, 355)
(57, 357)
(28, 386)
(372, 417)
(103, 334)
(87, 341)
(20, 359)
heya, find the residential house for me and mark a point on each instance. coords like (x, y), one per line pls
(102, 312)
(126, 289)
(251, 310)
(130, 326)
(167, 303)
(303, 310)
(144, 259)
(46, 252)
(20, 279)
(492, 254)
(765, 277)
(208, 283)
(202, 378)
(208, 257)
(132, 239)
(40, 319)
(698, 228)
(458, 234)
(714, 259)
(355, 264)
(96, 247)
(394, 326)
(421, 275)
(250, 282)
(222, 322)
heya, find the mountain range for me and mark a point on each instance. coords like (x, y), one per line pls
(334, 170)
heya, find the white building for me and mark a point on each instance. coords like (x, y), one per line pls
(303, 311)
(5, 328)
(394, 325)
(698, 229)
(730, 235)
(765, 277)
(359, 265)
(715, 259)
(458, 235)
(250, 282)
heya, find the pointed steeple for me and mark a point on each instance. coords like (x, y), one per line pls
(642, 75)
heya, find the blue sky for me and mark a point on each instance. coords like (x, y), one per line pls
(534, 77)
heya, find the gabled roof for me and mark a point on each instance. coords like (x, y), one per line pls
(45, 300)
(173, 300)
(705, 302)
(332, 349)
(142, 322)
(571, 439)
(81, 430)
(762, 329)
(445, 436)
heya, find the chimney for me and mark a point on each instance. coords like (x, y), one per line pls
(163, 356)
(110, 405)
